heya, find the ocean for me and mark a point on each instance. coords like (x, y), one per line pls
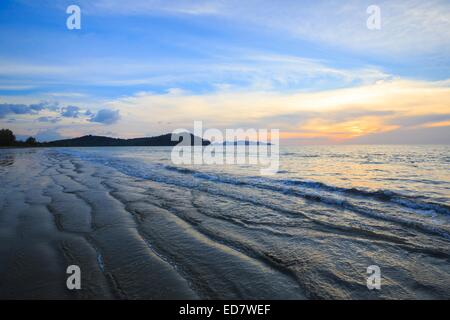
(310, 231)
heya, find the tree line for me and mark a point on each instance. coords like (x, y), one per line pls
(8, 139)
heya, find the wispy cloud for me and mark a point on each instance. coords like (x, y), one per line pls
(49, 119)
(106, 116)
(339, 114)
(249, 70)
(7, 87)
(153, 7)
(411, 26)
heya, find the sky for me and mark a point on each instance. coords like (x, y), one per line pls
(312, 69)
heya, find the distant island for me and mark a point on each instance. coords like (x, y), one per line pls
(245, 143)
(8, 139)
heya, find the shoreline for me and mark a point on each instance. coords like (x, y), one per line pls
(59, 211)
(140, 231)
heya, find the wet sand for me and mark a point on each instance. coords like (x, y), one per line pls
(57, 211)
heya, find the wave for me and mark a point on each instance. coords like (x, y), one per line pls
(382, 195)
(345, 198)
(402, 200)
(285, 186)
(373, 212)
(180, 170)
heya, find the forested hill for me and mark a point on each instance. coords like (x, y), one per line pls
(101, 141)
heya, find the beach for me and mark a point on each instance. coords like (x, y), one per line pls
(138, 230)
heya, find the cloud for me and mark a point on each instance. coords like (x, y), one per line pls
(44, 113)
(48, 135)
(48, 119)
(20, 109)
(9, 87)
(52, 106)
(333, 116)
(70, 112)
(413, 121)
(336, 115)
(239, 68)
(409, 26)
(6, 108)
(139, 7)
(106, 116)
(438, 135)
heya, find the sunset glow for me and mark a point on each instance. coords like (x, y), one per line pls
(344, 84)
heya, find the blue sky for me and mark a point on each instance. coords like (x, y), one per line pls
(153, 66)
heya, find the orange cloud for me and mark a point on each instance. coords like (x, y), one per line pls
(338, 131)
(437, 124)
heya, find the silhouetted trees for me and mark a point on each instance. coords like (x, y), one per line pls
(31, 141)
(7, 138)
